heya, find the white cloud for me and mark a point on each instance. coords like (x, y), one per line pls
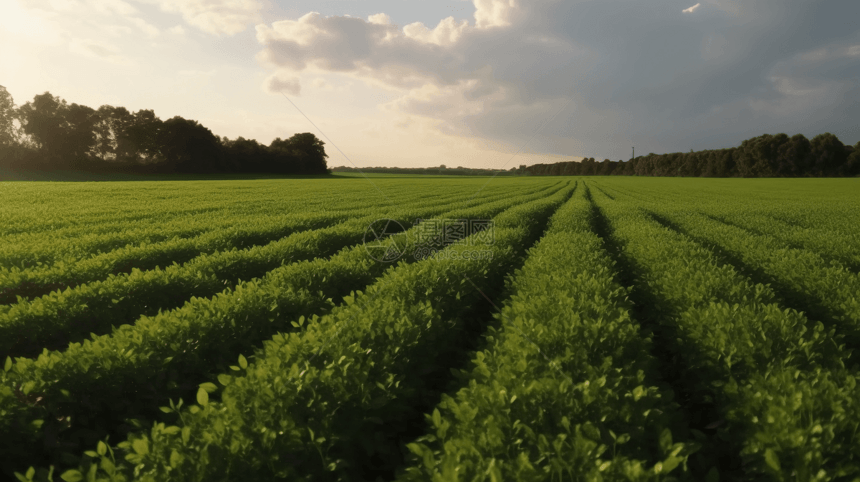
(379, 19)
(144, 26)
(494, 13)
(446, 33)
(177, 30)
(214, 16)
(282, 82)
(95, 49)
(107, 7)
(693, 8)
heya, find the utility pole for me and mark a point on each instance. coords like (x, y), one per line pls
(634, 153)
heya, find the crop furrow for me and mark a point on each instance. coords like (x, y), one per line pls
(565, 386)
(57, 319)
(130, 372)
(768, 372)
(328, 401)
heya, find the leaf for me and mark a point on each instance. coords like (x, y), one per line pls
(209, 387)
(224, 379)
(202, 397)
(243, 362)
(28, 387)
(101, 448)
(141, 446)
(72, 476)
(8, 365)
(771, 459)
(437, 418)
(175, 459)
(670, 463)
(665, 440)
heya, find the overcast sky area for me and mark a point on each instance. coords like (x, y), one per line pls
(422, 83)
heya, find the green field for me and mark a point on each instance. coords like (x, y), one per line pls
(600, 328)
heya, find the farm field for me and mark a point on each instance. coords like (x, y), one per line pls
(590, 328)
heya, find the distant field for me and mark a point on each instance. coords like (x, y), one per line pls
(546, 328)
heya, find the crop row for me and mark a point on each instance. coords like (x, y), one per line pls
(828, 291)
(67, 246)
(779, 394)
(47, 208)
(841, 247)
(128, 371)
(234, 233)
(330, 400)
(566, 386)
(54, 320)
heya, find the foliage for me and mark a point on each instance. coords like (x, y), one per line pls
(112, 139)
(622, 329)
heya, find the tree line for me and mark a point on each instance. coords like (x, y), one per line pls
(764, 156)
(49, 134)
(441, 170)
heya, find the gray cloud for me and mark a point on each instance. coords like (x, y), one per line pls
(647, 73)
(282, 83)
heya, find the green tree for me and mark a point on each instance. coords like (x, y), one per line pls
(141, 141)
(308, 150)
(187, 146)
(112, 134)
(8, 114)
(828, 154)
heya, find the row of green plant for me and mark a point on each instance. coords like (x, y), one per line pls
(827, 290)
(566, 387)
(800, 218)
(233, 232)
(137, 367)
(331, 400)
(772, 383)
(66, 246)
(60, 317)
(17, 284)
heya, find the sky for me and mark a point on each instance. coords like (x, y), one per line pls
(482, 83)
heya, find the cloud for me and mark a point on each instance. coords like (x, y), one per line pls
(95, 49)
(692, 9)
(214, 16)
(118, 7)
(321, 84)
(144, 26)
(379, 19)
(630, 71)
(282, 83)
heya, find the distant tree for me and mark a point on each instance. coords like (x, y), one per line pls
(852, 163)
(8, 115)
(187, 146)
(64, 133)
(81, 138)
(307, 153)
(828, 154)
(142, 138)
(248, 155)
(112, 130)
